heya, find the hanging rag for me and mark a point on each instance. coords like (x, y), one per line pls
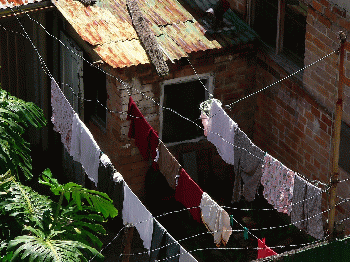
(186, 256)
(264, 251)
(146, 138)
(306, 209)
(62, 114)
(163, 246)
(221, 132)
(247, 167)
(135, 212)
(189, 194)
(278, 182)
(159, 194)
(216, 219)
(168, 165)
(84, 149)
(205, 121)
(110, 182)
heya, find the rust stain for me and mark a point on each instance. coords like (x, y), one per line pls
(9, 3)
(108, 27)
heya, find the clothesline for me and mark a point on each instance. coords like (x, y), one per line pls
(48, 72)
(128, 87)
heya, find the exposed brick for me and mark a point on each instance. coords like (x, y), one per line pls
(325, 21)
(339, 12)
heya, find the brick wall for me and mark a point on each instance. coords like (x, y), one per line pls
(294, 118)
(234, 78)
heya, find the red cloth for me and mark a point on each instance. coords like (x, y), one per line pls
(263, 250)
(146, 138)
(189, 194)
(225, 5)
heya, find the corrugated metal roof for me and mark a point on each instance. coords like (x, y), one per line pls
(11, 3)
(108, 28)
(242, 33)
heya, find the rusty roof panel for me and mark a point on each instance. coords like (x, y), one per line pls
(107, 26)
(11, 3)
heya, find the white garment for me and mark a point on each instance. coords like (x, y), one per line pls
(62, 114)
(84, 148)
(220, 123)
(186, 256)
(135, 212)
(216, 219)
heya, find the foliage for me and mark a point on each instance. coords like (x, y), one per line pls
(55, 231)
(15, 116)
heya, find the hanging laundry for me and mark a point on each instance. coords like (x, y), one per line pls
(205, 120)
(110, 182)
(189, 194)
(247, 167)
(278, 182)
(135, 212)
(159, 195)
(84, 149)
(307, 207)
(168, 165)
(62, 114)
(221, 132)
(216, 219)
(105, 174)
(163, 246)
(186, 256)
(146, 138)
(264, 251)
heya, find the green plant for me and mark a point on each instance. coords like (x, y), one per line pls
(15, 116)
(65, 230)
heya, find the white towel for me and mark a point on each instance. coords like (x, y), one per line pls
(134, 212)
(216, 219)
(84, 148)
(220, 123)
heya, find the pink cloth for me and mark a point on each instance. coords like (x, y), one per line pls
(62, 115)
(205, 120)
(189, 194)
(263, 250)
(278, 182)
(146, 138)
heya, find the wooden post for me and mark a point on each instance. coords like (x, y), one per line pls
(336, 137)
(280, 25)
(127, 241)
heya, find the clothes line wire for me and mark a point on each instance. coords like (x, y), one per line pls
(48, 72)
(229, 106)
(158, 104)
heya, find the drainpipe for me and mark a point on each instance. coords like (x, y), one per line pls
(336, 137)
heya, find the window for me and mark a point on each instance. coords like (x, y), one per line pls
(183, 95)
(344, 149)
(282, 25)
(95, 89)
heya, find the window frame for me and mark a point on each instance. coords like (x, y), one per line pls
(281, 13)
(209, 86)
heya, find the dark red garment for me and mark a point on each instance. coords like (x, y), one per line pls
(263, 250)
(189, 194)
(146, 138)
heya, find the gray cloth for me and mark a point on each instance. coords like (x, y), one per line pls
(247, 167)
(164, 244)
(114, 188)
(306, 206)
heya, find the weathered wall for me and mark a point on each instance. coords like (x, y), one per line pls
(234, 78)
